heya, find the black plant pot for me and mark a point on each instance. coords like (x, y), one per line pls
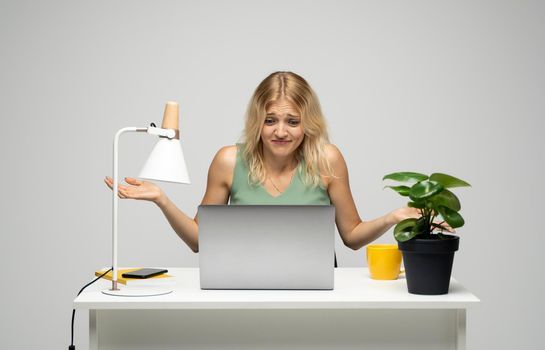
(428, 263)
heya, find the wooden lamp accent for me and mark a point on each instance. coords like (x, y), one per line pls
(171, 118)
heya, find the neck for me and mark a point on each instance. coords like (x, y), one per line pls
(278, 165)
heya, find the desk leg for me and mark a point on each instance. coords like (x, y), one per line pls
(93, 334)
(461, 329)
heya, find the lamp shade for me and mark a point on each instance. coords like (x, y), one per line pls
(166, 163)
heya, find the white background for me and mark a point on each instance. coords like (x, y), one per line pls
(454, 87)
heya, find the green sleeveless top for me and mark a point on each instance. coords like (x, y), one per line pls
(297, 193)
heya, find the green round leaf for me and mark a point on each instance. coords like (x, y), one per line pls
(402, 190)
(448, 181)
(405, 176)
(447, 199)
(424, 189)
(451, 216)
(403, 230)
(419, 205)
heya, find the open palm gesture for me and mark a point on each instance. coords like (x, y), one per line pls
(136, 189)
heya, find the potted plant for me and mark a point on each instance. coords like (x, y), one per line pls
(428, 253)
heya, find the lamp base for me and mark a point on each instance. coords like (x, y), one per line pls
(137, 292)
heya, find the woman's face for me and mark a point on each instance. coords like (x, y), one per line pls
(282, 132)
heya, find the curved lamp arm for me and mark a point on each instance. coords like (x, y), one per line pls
(168, 133)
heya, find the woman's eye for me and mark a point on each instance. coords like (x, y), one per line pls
(269, 121)
(293, 122)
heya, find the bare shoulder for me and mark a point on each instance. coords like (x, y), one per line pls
(333, 154)
(226, 156)
(223, 165)
(336, 163)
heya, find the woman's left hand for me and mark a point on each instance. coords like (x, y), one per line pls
(401, 214)
(398, 215)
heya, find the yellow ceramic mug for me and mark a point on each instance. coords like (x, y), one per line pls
(384, 261)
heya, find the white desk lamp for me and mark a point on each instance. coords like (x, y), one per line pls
(165, 163)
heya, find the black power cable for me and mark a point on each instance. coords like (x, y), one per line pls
(72, 346)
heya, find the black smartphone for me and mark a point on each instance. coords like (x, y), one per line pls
(144, 273)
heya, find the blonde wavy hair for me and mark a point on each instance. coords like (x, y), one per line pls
(311, 152)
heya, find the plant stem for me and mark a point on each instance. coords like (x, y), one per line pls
(431, 222)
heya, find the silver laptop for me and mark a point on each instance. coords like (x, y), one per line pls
(266, 246)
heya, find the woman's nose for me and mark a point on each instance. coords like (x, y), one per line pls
(281, 130)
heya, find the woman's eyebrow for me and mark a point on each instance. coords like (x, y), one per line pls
(289, 115)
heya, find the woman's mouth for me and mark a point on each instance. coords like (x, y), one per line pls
(280, 142)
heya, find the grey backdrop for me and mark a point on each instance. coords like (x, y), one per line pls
(426, 86)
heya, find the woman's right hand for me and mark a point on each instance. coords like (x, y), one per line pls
(137, 189)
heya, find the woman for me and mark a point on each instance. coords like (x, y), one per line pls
(286, 159)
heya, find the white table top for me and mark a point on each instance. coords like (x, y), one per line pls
(354, 289)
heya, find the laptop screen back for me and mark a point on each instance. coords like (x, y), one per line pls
(266, 247)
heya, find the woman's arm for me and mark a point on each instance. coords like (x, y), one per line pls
(218, 189)
(354, 232)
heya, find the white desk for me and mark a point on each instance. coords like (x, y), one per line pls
(359, 313)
